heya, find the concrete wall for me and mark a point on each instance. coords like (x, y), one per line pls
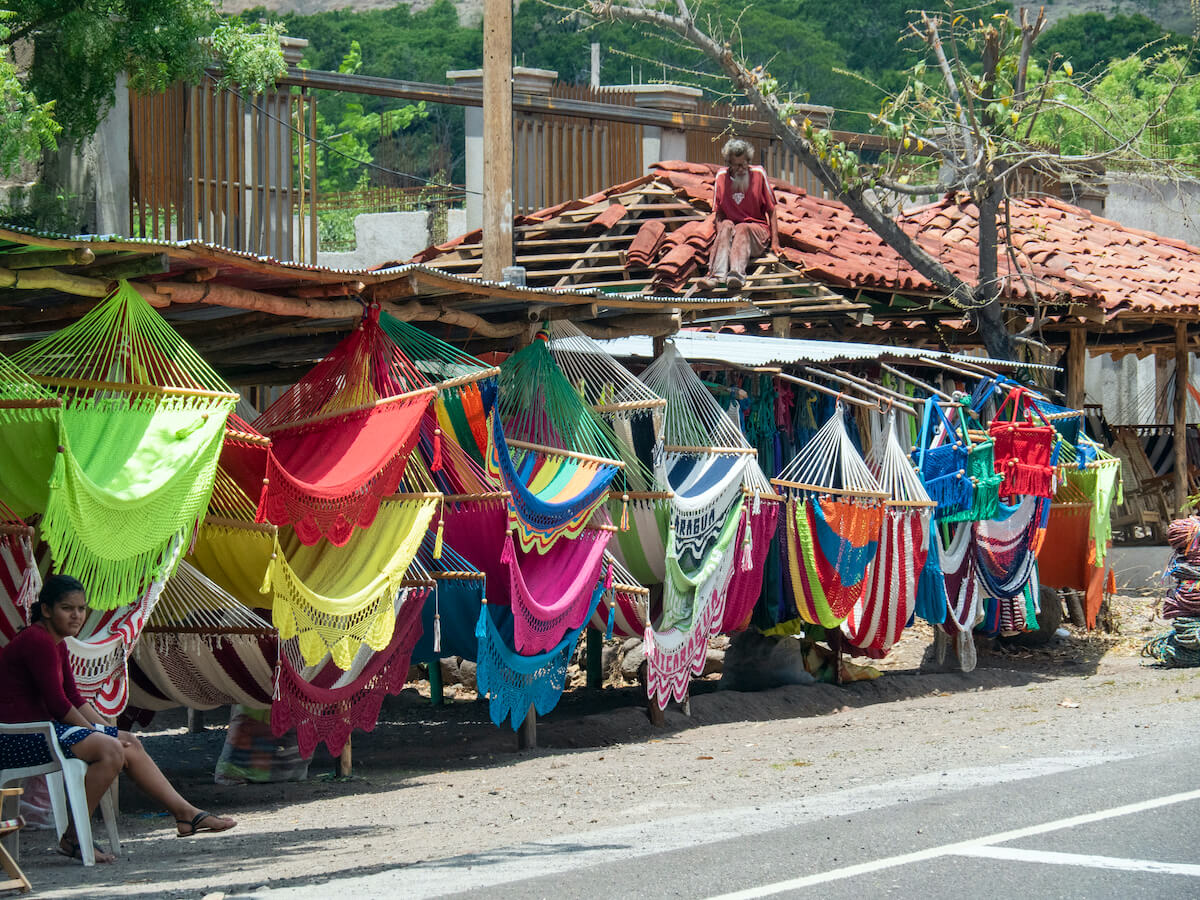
(1128, 389)
(382, 238)
(1155, 204)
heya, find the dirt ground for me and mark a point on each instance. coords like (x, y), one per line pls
(437, 782)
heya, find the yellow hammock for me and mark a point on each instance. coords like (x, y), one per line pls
(331, 599)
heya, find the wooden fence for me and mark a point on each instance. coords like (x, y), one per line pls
(207, 164)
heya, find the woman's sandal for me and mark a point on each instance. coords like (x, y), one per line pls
(194, 827)
(69, 847)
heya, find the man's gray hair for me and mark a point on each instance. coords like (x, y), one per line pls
(737, 147)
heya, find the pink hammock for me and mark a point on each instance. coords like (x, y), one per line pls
(963, 596)
(339, 439)
(878, 619)
(552, 593)
(754, 537)
(329, 707)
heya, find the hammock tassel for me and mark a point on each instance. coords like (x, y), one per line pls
(276, 695)
(437, 543)
(747, 547)
(437, 451)
(58, 473)
(508, 556)
(612, 618)
(481, 622)
(757, 507)
(624, 512)
(268, 575)
(437, 633)
(648, 642)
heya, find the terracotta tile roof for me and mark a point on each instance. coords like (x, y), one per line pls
(1133, 271)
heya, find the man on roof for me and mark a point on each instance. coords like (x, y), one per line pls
(744, 215)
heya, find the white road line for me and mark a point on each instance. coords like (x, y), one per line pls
(1086, 860)
(1001, 837)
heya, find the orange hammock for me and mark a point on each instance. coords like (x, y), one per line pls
(339, 439)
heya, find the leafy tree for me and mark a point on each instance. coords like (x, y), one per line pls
(968, 102)
(1091, 40)
(26, 126)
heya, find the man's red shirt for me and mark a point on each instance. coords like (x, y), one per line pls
(753, 206)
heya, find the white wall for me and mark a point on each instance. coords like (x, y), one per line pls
(1155, 204)
(382, 238)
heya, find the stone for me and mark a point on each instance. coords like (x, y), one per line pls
(629, 643)
(466, 675)
(714, 662)
(609, 660)
(632, 661)
(449, 667)
(758, 662)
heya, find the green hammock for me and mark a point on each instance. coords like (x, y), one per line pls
(30, 419)
(143, 418)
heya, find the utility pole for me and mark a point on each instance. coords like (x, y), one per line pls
(497, 139)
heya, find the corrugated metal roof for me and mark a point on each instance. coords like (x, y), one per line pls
(751, 350)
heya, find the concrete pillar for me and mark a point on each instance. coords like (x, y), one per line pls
(111, 143)
(662, 143)
(525, 80)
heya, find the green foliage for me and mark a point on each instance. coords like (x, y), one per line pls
(26, 126)
(251, 55)
(1091, 40)
(45, 208)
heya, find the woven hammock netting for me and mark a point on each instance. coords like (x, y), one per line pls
(142, 421)
(340, 438)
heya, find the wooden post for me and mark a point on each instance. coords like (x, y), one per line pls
(659, 343)
(595, 652)
(195, 721)
(1180, 416)
(1076, 363)
(835, 644)
(344, 761)
(497, 139)
(527, 733)
(437, 694)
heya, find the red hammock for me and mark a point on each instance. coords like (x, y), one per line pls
(339, 439)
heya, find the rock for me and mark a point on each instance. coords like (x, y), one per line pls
(449, 667)
(609, 659)
(756, 662)
(631, 661)
(629, 643)
(466, 675)
(714, 662)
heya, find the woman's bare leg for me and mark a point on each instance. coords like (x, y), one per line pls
(149, 777)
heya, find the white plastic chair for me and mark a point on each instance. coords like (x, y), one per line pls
(65, 772)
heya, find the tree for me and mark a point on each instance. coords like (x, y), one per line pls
(968, 104)
(1091, 41)
(81, 46)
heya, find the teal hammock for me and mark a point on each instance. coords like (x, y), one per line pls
(512, 682)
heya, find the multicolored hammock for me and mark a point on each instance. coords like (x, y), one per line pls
(340, 438)
(20, 580)
(30, 422)
(1005, 548)
(547, 450)
(755, 536)
(626, 607)
(876, 622)
(142, 423)
(833, 520)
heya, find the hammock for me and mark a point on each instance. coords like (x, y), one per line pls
(547, 450)
(325, 704)
(960, 584)
(30, 420)
(876, 622)
(20, 580)
(340, 438)
(201, 649)
(452, 607)
(627, 602)
(833, 521)
(607, 387)
(512, 682)
(330, 598)
(684, 585)
(1005, 548)
(142, 422)
(755, 536)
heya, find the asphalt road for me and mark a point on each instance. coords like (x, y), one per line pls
(1087, 825)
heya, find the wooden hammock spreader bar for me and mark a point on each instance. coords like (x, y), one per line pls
(915, 382)
(457, 576)
(963, 369)
(679, 448)
(765, 498)
(840, 395)
(417, 495)
(40, 403)
(224, 522)
(335, 413)
(460, 380)
(1071, 505)
(892, 398)
(557, 451)
(215, 632)
(418, 582)
(818, 489)
(629, 405)
(84, 384)
(641, 495)
(915, 504)
(486, 495)
(631, 589)
(15, 529)
(246, 437)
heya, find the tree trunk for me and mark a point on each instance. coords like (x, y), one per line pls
(989, 314)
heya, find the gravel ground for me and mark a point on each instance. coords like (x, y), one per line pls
(432, 783)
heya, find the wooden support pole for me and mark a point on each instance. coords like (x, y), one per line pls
(835, 644)
(595, 652)
(36, 259)
(659, 344)
(1076, 363)
(345, 761)
(497, 139)
(195, 721)
(1180, 417)
(437, 693)
(527, 733)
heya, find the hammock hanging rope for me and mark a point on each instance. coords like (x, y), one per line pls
(142, 423)
(547, 450)
(605, 385)
(625, 607)
(340, 438)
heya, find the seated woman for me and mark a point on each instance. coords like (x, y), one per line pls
(38, 686)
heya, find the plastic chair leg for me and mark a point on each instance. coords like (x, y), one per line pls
(58, 802)
(73, 774)
(108, 810)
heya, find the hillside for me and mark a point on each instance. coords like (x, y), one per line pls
(469, 11)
